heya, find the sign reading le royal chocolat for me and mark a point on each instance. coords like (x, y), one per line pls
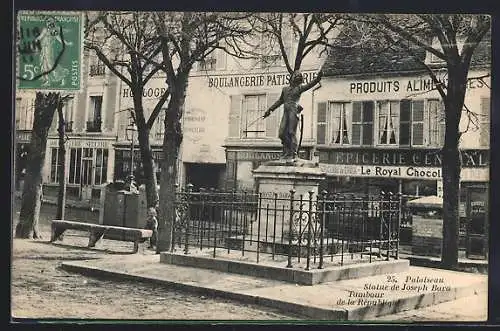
(397, 157)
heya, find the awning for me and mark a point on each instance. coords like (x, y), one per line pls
(430, 201)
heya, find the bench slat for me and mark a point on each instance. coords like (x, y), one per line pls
(106, 231)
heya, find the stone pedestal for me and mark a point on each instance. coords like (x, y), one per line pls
(275, 181)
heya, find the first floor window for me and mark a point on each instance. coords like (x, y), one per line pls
(94, 119)
(411, 123)
(341, 123)
(254, 107)
(362, 123)
(385, 123)
(388, 114)
(68, 114)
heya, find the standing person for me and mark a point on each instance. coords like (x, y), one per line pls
(50, 39)
(152, 224)
(290, 96)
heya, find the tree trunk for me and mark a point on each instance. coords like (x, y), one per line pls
(171, 144)
(147, 162)
(451, 168)
(61, 196)
(145, 148)
(45, 106)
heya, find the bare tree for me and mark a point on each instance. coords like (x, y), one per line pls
(453, 39)
(126, 43)
(45, 107)
(309, 32)
(61, 159)
(185, 38)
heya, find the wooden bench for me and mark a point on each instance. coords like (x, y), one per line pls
(98, 231)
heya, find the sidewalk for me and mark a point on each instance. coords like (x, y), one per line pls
(362, 299)
(80, 204)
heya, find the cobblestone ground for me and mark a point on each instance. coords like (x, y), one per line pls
(40, 289)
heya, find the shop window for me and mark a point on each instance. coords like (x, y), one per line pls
(362, 123)
(75, 163)
(388, 115)
(87, 160)
(101, 161)
(484, 123)
(94, 119)
(254, 107)
(54, 165)
(88, 166)
(411, 124)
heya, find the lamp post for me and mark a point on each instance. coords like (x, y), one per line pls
(132, 129)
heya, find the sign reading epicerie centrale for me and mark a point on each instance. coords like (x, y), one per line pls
(417, 164)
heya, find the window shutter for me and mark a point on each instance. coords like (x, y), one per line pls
(272, 122)
(356, 123)
(484, 125)
(404, 122)
(418, 123)
(321, 120)
(234, 116)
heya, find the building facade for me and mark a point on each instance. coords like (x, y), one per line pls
(224, 137)
(24, 115)
(90, 134)
(379, 126)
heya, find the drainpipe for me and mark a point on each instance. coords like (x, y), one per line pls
(313, 151)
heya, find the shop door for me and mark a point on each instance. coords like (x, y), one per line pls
(86, 174)
(477, 222)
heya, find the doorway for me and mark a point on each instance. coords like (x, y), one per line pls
(204, 175)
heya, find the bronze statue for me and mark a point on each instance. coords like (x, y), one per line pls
(290, 96)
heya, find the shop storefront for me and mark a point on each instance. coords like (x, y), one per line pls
(88, 167)
(123, 163)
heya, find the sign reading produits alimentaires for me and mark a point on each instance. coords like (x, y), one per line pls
(50, 51)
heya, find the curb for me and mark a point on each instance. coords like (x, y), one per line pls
(337, 314)
(284, 306)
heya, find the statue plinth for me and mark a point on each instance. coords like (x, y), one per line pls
(275, 181)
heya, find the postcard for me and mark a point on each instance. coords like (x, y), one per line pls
(251, 166)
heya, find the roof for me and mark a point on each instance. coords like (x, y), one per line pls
(372, 57)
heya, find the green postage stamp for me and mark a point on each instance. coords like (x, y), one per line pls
(49, 51)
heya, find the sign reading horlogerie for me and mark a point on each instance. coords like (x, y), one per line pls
(49, 51)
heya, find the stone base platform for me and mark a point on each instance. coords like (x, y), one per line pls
(277, 269)
(342, 300)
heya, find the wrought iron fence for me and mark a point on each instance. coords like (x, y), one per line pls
(305, 228)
